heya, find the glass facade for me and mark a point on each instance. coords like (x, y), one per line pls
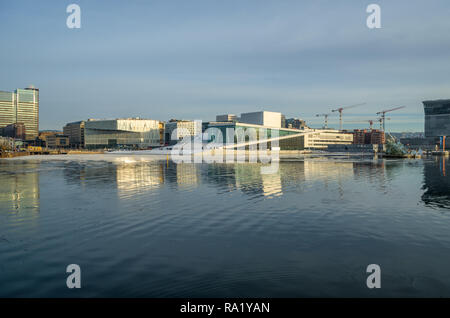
(21, 106)
(437, 118)
(122, 133)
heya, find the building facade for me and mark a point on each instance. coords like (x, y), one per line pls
(57, 141)
(184, 128)
(226, 118)
(21, 106)
(263, 118)
(16, 130)
(75, 132)
(288, 139)
(295, 123)
(133, 133)
(368, 137)
(321, 138)
(437, 118)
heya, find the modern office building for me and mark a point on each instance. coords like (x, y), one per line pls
(321, 138)
(295, 123)
(75, 132)
(226, 118)
(16, 130)
(263, 118)
(21, 106)
(183, 128)
(57, 141)
(437, 118)
(122, 133)
(368, 137)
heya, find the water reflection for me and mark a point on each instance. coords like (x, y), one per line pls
(19, 189)
(133, 178)
(437, 183)
(136, 177)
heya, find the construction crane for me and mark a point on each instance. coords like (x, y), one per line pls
(381, 120)
(370, 121)
(340, 109)
(383, 116)
(325, 118)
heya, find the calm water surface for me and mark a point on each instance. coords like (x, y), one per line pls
(142, 227)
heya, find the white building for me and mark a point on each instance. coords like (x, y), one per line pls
(321, 138)
(264, 118)
(128, 132)
(183, 128)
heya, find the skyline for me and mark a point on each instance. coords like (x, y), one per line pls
(195, 60)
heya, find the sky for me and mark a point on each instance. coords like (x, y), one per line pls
(195, 59)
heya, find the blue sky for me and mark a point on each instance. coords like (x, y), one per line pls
(195, 59)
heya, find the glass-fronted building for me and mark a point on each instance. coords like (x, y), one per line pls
(437, 118)
(122, 133)
(21, 107)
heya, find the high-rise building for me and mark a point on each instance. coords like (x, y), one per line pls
(21, 106)
(437, 118)
(75, 132)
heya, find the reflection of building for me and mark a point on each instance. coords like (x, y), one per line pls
(329, 170)
(133, 178)
(130, 133)
(437, 118)
(75, 132)
(21, 106)
(20, 191)
(437, 183)
(187, 174)
(271, 184)
(184, 128)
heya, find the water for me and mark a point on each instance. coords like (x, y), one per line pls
(144, 227)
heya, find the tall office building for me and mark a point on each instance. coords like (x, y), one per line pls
(437, 117)
(21, 107)
(75, 132)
